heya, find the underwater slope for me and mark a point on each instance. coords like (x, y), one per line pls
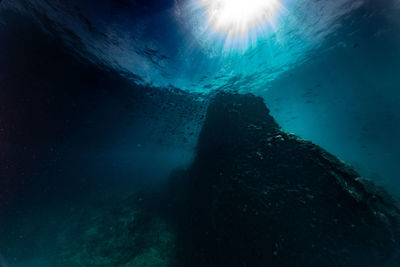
(254, 196)
(258, 196)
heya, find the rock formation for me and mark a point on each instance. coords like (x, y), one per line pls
(258, 196)
(254, 196)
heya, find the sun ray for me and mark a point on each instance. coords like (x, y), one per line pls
(239, 17)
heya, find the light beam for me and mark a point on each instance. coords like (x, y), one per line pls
(239, 17)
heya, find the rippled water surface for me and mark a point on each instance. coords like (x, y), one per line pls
(170, 42)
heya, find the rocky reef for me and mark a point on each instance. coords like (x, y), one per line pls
(126, 232)
(253, 196)
(258, 196)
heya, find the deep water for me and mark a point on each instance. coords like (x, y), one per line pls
(102, 102)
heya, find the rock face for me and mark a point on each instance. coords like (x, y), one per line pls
(258, 196)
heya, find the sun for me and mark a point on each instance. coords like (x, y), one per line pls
(239, 17)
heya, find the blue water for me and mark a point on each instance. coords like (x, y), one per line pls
(171, 44)
(329, 71)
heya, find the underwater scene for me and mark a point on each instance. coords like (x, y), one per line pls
(195, 133)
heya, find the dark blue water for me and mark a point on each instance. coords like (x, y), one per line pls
(101, 98)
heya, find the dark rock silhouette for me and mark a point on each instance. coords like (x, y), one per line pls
(258, 196)
(254, 196)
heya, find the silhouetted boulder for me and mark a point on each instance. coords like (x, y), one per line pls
(258, 196)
